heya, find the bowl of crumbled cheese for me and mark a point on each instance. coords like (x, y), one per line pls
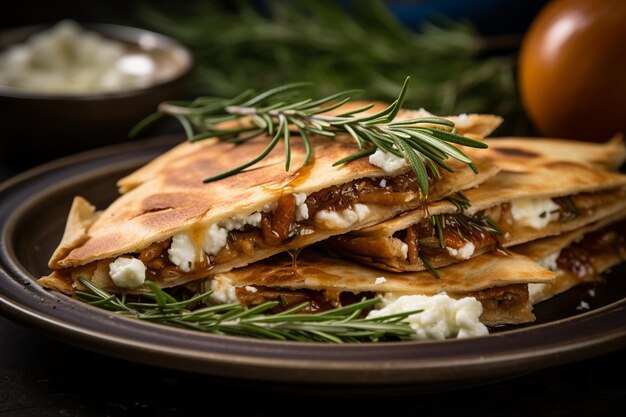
(71, 86)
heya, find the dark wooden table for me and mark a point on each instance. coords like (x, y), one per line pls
(44, 377)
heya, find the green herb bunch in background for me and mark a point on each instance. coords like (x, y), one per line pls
(236, 47)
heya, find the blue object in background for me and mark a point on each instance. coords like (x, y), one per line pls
(491, 17)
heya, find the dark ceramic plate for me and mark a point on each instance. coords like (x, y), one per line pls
(33, 209)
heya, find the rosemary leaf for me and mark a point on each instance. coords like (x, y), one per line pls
(273, 112)
(340, 325)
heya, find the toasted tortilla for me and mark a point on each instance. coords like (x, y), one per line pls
(476, 277)
(473, 124)
(522, 154)
(167, 197)
(532, 176)
(565, 278)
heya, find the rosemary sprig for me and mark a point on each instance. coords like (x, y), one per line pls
(277, 111)
(340, 325)
(460, 200)
(462, 225)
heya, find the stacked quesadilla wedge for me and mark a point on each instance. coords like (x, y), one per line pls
(498, 280)
(577, 200)
(580, 256)
(375, 232)
(173, 228)
(534, 196)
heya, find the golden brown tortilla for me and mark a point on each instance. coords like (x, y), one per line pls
(522, 154)
(316, 271)
(167, 197)
(533, 176)
(566, 279)
(477, 126)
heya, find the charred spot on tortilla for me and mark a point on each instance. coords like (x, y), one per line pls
(515, 152)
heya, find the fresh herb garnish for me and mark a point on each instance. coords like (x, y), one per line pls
(460, 200)
(339, 325)
(421, 142)
(430, 266)
(462, 225)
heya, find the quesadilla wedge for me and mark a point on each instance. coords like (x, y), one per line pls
(577, 257)
(172, 228)
(547, 198)
(499, 281)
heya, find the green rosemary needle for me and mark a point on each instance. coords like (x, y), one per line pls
(462, 225)
(425, 143)
(339, 325)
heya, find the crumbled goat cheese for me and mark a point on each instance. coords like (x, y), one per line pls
(240, 222)
(387, 161)
(380, 280)
(222, 291)
(534, 212)
(442, 316)
(216, 235)
(251, 289)
(127, 272)
(535, 292)
(549, 261)
(382, 183)
(462, 120)
(464, 252)
(583, 306)
(182, 252)
(302, 210)
(343, 218)
(69, 59)
(405, 250)
(362, 211)
(591, 292)
(214, 239)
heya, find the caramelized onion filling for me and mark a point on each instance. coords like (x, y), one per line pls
(319, 300)
(578, 258)
(507, 297)
(423, 240)
(282, 225)
(511, 299)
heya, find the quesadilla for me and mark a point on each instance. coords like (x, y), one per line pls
(498, 280)
(534, 196)
(171, 228)
(577, 257)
